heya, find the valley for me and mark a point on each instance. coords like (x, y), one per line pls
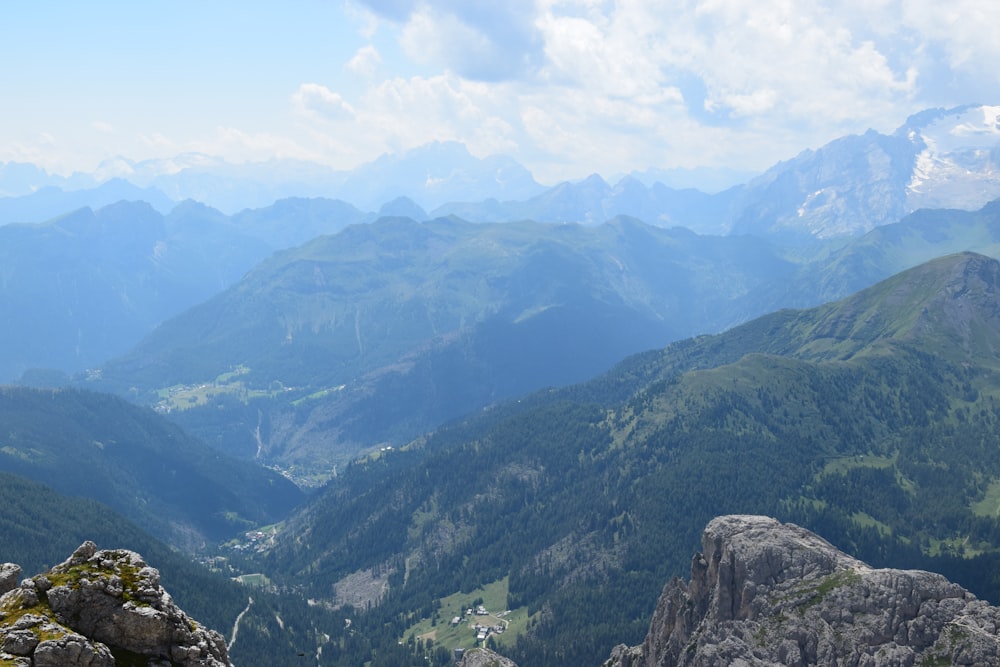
(506, 423)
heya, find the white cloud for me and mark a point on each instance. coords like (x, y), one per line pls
(313, 99)
(481, 40)
(571, 87)
(365, 61)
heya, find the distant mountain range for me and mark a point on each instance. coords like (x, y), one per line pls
(937, 159)
(86, 286)
(430, 175)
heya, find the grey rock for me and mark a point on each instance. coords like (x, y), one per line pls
(20, 642)
(14, 661)
(72, 650)
(766, 593)
(482, 657)
(9, 576)
(97, 601)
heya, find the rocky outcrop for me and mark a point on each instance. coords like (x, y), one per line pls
(766, 593)
(94, 607)
(482, 657)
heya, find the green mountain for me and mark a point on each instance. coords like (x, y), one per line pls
(85, 286)
(919, 237)
(101, 447)
(873, 420)
(383, 331)
(88, 285)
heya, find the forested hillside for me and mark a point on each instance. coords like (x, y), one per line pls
(102, 447)
(874, 420)
(383, 331)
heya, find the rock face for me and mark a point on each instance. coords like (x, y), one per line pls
(766, 593)
(482, 657)
(96, 607)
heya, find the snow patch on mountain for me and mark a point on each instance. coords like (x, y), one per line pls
(959, 166)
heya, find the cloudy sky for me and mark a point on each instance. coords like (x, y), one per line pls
(568, 88)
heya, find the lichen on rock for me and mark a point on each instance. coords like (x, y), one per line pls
(95, 604)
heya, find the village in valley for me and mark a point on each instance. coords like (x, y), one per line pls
(479, 621)
(468, 620)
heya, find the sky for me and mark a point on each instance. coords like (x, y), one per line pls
(567, 88)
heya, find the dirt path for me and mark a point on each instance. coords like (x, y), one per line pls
(236, 624)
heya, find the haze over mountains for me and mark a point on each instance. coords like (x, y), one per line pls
(864, 181)
(535, 397)
(937, 159)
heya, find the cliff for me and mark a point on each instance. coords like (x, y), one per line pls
(766, 593)
(99, 609)
(482, 657)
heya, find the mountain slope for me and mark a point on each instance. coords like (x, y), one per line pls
(39, 526)
(383, 331)
(917, 238)
(938, 158)
(51, 202)
(88, 285)
(85, 286)
(874, 419)
(101, 447)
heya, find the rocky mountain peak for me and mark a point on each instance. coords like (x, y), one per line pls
(763, 592)
(97, 609)
(483, 657)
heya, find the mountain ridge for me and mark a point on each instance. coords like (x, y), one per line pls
(940, 158)
(764, 592)
(413, 308)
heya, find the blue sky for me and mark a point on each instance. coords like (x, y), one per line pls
(568, 88)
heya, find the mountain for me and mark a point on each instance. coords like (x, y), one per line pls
(456, 316)
(430, 175)
(436, 173)
(710, 180)
(100, 609)
(763, 592)
(939, 158)
(38, 526)
(88, 285)
(101, 447)
(293, 221)
(872, 420)
(21, 178)
(402, 207)
(593, 201)
(50, 202)
(383, 331)
(231, 187)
